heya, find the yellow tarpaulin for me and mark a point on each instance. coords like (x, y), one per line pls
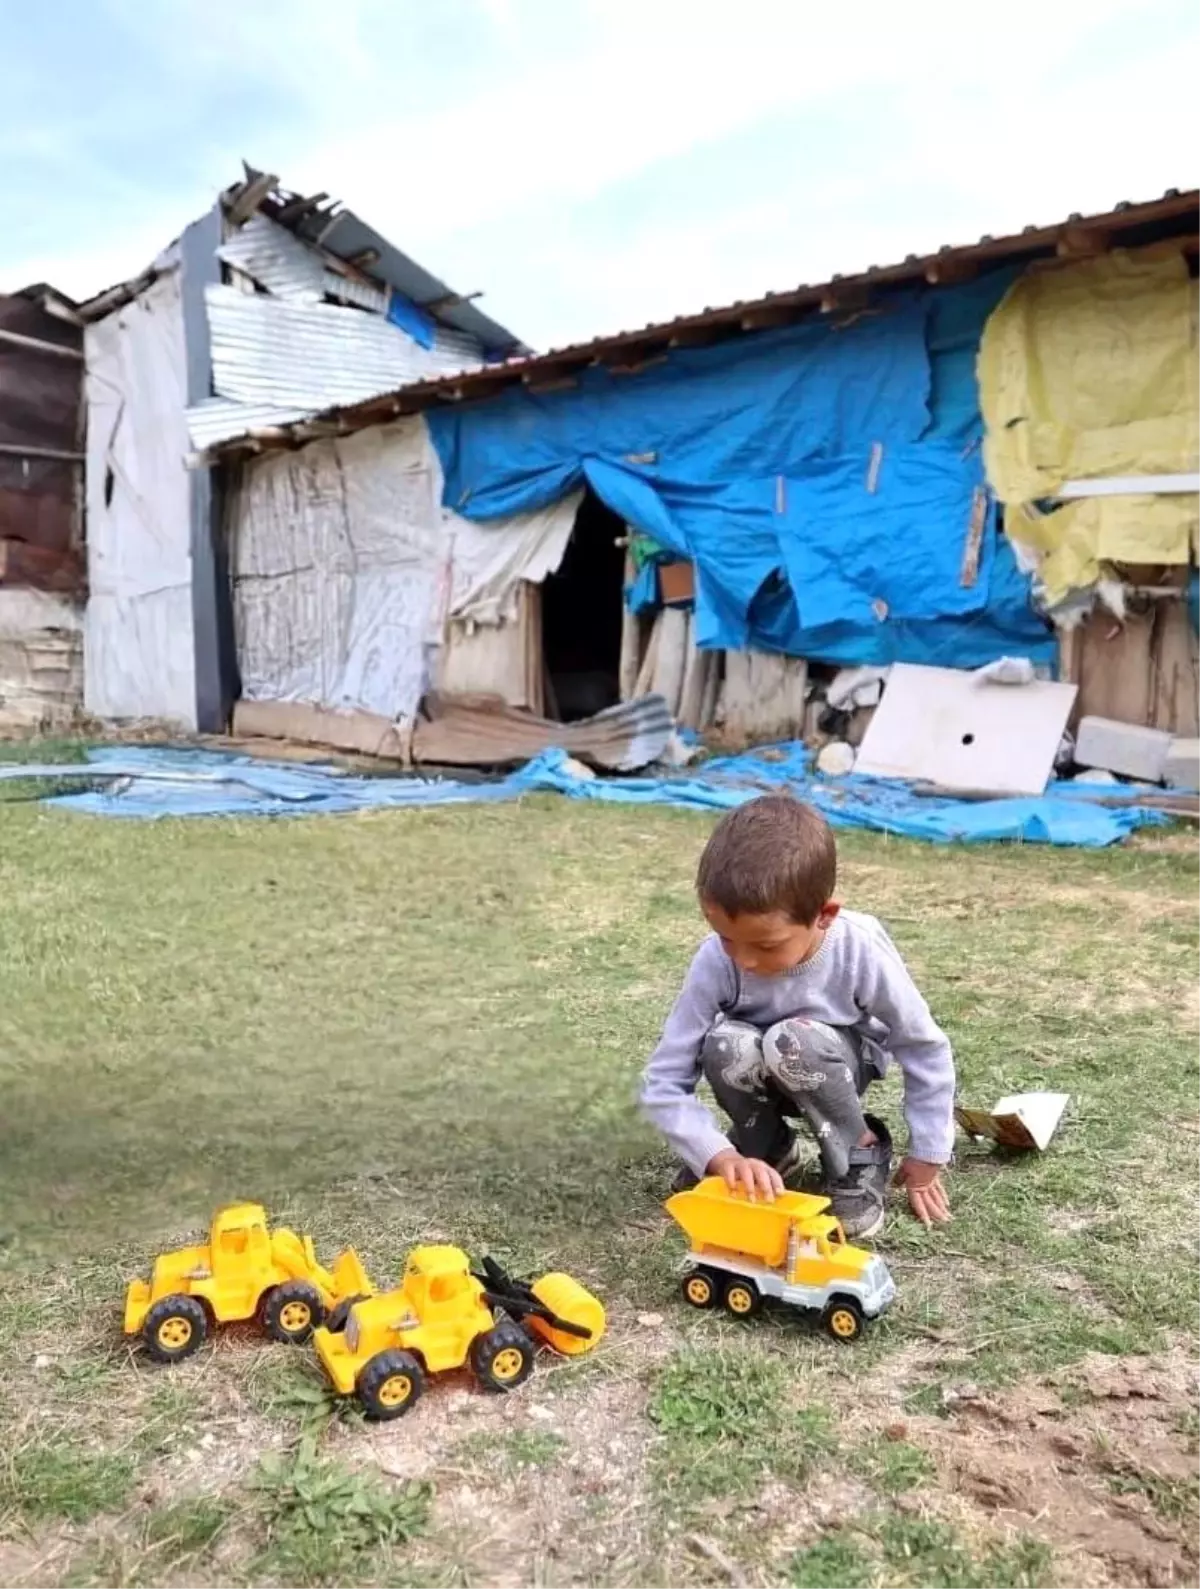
(1086, 371)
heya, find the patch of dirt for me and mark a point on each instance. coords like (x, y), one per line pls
(580, 1514)
(1079, 1461)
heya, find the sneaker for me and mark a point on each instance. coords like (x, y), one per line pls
(858, 1198)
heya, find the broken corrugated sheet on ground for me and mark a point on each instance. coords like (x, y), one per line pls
(469, 731)
(148, 783)
(482, 731)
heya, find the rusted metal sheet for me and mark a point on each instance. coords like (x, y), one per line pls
(41, 430)
(483, 731)
(469, 731)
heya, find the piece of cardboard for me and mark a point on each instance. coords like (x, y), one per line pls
(956, 731)
(1023, 1120)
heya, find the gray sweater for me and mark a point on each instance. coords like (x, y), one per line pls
(856, 979)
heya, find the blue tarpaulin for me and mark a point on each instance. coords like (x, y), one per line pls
(151, 782)
(822, 479)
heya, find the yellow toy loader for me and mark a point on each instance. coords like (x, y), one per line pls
(245, 1270)
(443, 1316)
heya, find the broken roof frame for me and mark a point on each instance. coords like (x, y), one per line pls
(334, 232)
(1127, 224)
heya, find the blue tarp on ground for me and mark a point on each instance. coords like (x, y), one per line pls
(776, 461)
(151, 782)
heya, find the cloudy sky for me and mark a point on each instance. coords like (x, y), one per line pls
(589, 164)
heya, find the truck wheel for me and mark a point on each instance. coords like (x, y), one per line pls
(390, 1384)
(502, 1357)
(742, 1298)
(292, 1312)
(175, 1328)
(698, 1289)
(843, 1319)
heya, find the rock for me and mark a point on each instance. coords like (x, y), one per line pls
(1182, 767)
(1095, 775)
(650, 1321)
(43, 1360)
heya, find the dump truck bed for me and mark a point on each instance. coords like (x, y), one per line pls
(714, 1217)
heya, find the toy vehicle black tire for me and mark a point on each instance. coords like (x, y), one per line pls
(174, 1328)
(741, 1298)
(390, 1385)
(699, 1289)
(842, 1318)
(292, 1311)
(339, 1315)
(502, 1358)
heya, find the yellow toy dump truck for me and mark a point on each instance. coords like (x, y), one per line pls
(444, 1315)
(245, 1269)
(792, 1249)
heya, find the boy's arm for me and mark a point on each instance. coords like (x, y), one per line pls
(668, 1096)
(919, 1047)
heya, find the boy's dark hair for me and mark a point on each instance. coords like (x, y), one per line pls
(770, 854)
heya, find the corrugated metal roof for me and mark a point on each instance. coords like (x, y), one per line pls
(276, 259)
(344, 234)
(287, 358)
(1126, 224)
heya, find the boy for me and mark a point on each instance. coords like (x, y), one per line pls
(790, 1009)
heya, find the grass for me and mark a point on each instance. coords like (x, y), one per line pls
(428, 1026)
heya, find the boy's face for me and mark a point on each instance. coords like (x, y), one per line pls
(770, 944)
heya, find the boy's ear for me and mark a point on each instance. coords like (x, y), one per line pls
(829, 915)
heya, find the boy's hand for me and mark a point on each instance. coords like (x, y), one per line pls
(926, 1194)
(755, 1177)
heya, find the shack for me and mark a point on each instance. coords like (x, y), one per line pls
(736, 505)
(268, 307)
(42, 567)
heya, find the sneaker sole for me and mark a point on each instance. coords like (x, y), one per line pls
(868, 1231)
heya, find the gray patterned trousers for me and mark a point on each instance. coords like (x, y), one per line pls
(796, 1070)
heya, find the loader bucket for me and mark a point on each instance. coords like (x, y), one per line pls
(571, 1302)
(137, 1304)
(350, 1279)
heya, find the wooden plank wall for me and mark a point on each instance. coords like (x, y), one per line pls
(1143, 670)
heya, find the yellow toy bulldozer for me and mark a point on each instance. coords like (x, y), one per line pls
(245, 1270)
(444, 1315)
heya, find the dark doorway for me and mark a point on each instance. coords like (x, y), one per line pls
(581, 616)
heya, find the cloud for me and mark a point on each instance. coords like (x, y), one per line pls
(598, 164)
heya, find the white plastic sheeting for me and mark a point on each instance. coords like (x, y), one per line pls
(489, 559)
(345, 567)
(139, 659)
(338, 562)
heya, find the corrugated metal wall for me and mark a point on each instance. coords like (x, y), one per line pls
(41, 434)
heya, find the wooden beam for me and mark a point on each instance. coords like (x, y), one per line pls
(847, 298)
(635, 365)
(951, 272)
(694, 336)
(770, 319)
(295, 208)
(244, 203)
(365, 258)
(1083, 242)
(448, 300)
(36, 345)
(13, 449)
(549, 382)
